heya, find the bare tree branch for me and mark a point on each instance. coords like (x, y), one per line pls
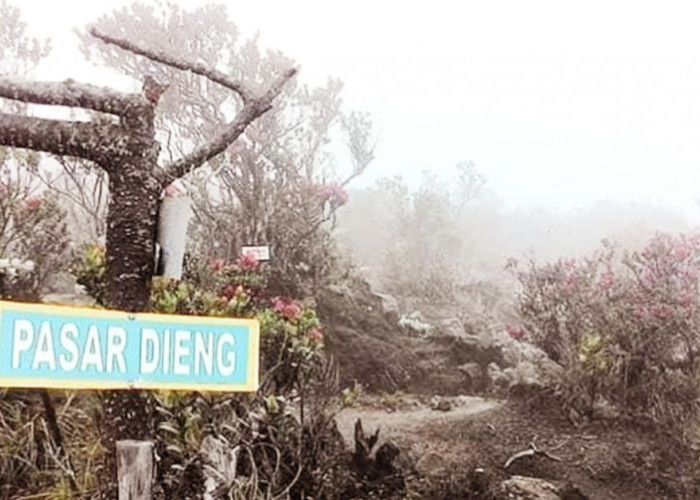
(250, 112)
(169, 60)
(69, 93)
(532, 451)
(92, 141)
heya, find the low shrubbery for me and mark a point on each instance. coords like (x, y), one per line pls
(283, 435)
(623, 324)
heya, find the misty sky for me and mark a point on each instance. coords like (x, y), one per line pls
(559, 104)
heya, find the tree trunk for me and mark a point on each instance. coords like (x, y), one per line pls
(131, 227)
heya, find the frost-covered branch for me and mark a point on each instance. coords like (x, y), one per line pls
(254, 106)
(170, 60)
(92, 141)
(247, 115)
(69, 93)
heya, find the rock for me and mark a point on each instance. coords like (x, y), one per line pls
(515, 352)
(477, 341)
(527, 488)
(452, 327)
(220, 461)
(542, 374)
(440, 404)
(370, 347)
(79, 298)
(389, 303)
(497, 379)
(471, 349)
(523, 373)
(414, 323)
(474, 375)
(473, 370)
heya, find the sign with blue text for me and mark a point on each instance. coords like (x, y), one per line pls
(82, 348)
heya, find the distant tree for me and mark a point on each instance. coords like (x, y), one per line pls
(420, 238)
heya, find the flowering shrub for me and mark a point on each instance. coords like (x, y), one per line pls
(333, 193)
(624, 325)
(247, 262)
(291, 333)
(34, 237)
(287, 308)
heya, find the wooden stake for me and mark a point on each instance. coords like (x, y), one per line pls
(135, 469)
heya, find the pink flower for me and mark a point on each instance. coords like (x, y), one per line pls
(32, 203)
(334, 193)
(232, 290)
(217, 264)
(286, 307)
(248, 262)
(315, 335)
(681, 251)
(570, 286)
(607, 280)
(172, 191)
(229, 291)
(569, 264)
(662, 312)
(515, 332)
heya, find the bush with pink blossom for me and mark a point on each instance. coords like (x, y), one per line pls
(625, 325)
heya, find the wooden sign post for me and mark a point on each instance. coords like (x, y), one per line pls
(135, 469)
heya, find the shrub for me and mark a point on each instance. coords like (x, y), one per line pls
(284, 435)
(624, 325)
(34, 238)
(89, 271)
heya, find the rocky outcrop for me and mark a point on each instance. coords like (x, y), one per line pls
(527, 488)
(532, 488)
(428, 350)
(366, 339)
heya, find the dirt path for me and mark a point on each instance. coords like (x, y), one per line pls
(405, 422)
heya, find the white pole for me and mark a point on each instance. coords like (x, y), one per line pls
(175, 213)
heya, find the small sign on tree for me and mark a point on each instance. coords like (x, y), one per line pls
(260, 253)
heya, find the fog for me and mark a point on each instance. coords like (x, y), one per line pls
(584, 120)
(475, 241)
(560, 106)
